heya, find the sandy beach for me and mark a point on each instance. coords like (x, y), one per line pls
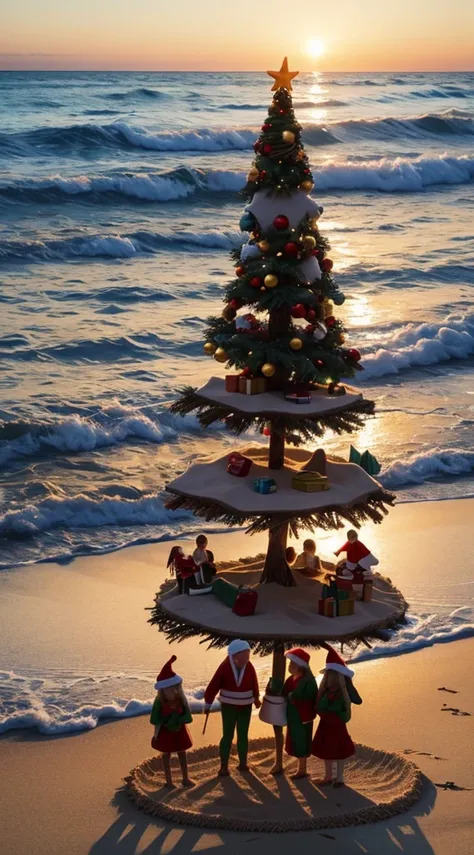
(63, 794)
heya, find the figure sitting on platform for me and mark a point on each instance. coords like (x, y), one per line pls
(300, 689)
(236, 682)
(332, 742)
(204, 560)
(358, 556)
(170, 715)
(184, 567)
(308, 563)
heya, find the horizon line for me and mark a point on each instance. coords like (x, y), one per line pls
(227, 71)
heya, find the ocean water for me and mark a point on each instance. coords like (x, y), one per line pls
(118, 207)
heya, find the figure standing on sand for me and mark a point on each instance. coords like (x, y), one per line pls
(170, 715)
(300, 690)
(332, 742)
(235, 682)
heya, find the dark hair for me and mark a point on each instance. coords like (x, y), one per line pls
(172, 556)
(290, 554)
(309, 542)
(201, 538)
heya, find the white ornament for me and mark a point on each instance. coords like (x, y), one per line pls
(265, 208)
(249, 250)
(320, 331)
(310, 269)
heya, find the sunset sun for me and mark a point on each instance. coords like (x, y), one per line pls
(315, 48)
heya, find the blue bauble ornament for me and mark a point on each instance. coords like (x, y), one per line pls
(247, 222)
(321, 210)
(339, 298)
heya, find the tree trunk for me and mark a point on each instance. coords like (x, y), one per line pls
(276, 568)
(278, 672)
(278, 325)
(276, 452)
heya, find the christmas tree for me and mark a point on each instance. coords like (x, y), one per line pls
(279, 324)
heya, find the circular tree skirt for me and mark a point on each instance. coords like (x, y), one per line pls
(379, 785)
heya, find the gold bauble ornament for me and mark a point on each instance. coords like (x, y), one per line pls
(328, 309)
(341, 338)
(220, 355)
(268, 369)
(263, 246)
(314, 224)
(209, 348)
(253, 174)
(300, 154)
(288, 137)
(307, 186)
(296, 344)
(228, 313)
(309, 242)
(270, 281)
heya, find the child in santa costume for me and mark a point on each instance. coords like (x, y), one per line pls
(300, 689)
(170, 715)
(235, 683)
(357, 554)
(336, 694)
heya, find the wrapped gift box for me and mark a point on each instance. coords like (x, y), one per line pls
(310, 482)
(330, 607)
(252, 385)
(238, 465)
(367, 589)
(345, 608)
(232, 383)
(265, 485)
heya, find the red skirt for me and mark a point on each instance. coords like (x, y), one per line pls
(331, 740)
(169, 743)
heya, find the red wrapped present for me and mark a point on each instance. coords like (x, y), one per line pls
(330, 607)
(232, 383)
(238, 465)
(245, 602)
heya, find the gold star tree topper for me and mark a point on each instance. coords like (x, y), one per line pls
(283, 77)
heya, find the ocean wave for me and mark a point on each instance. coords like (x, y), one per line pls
(120, 135)
(87, 512)
(402, 174)
(115, 246)
(422, 631)
(110, 425)
(419, 345)
(425, 465)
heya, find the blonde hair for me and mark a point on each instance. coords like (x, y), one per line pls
(181, 696)
(342, 686)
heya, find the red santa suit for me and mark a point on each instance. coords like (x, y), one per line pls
(357, 553)
(237, 690)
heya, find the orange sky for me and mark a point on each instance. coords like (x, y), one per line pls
(207, 35)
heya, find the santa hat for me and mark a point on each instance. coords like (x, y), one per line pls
(299, 657)
(334, 662)
(167, 677)
(238, 645)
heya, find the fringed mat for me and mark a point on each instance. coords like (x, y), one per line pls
(379, 785)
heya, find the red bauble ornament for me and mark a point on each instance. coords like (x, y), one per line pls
(266, 127)
(309, 329)
(245, 372)
(352, 353)
(262, 175)
(292, 249)
(256, 282)
(235, 304)
(267, 431)
(281, 222)
(315, 252)
(319, 363)
(282, 112)
(310, 315)
(239, 271)
(266, 148)
(330, 321)
(256, 145)
(327, 265)
(298, 311)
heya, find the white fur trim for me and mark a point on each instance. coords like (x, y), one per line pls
(296, 659)
(170, 681)
(243, 700)
(336, 667)
(237, 677)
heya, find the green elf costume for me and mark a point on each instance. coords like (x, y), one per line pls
(300, 692)
(235, 683)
